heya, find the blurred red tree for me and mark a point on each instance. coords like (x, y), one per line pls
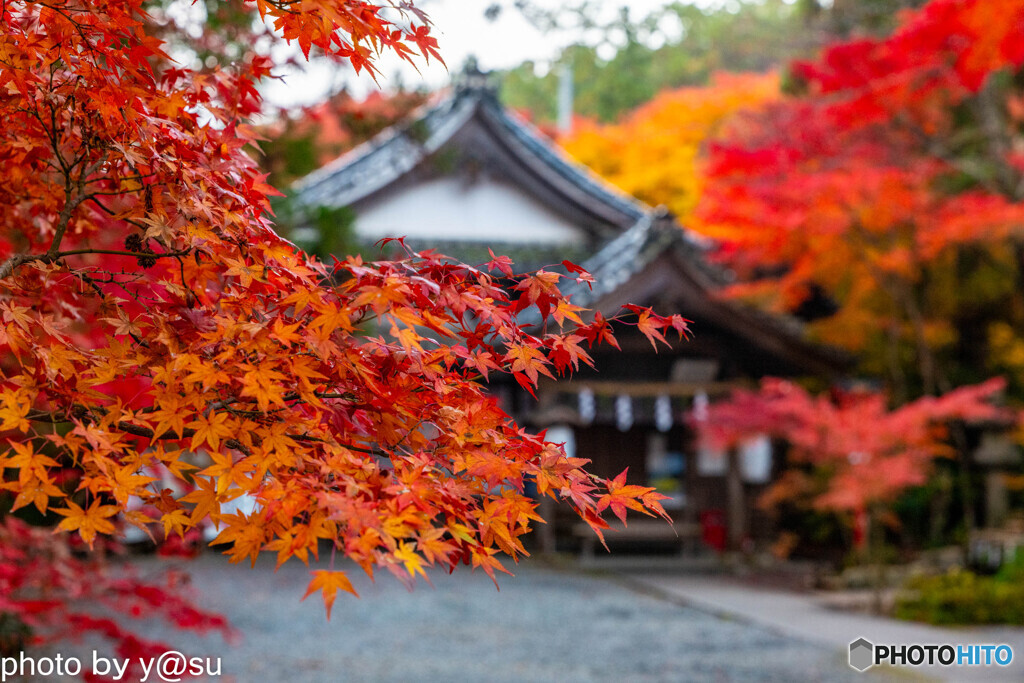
(871, 453)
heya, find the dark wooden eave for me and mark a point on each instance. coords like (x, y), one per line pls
(656, 261)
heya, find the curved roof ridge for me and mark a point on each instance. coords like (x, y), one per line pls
(367, 147)
(399, 148)
(385, 157)
(550, 152)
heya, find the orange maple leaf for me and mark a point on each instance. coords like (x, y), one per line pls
(329, 583)
(88, 522)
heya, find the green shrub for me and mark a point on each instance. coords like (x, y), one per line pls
(963, 597)
(1013, 570)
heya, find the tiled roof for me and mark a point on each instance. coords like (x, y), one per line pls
(576, 173)
(381, 161)
(631, 252)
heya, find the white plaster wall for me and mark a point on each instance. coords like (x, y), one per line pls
(450, 209)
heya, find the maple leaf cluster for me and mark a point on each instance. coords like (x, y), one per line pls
(871, 453)
(154, 325)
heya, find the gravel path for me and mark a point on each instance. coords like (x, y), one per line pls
(544, 625)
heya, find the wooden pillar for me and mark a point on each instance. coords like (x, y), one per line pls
(560, 431)
(736, 508)
(997, 499)
(546, 532)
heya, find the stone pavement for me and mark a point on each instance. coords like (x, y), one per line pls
(545, 625)
(802, 616)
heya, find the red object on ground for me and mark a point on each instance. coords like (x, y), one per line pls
(860, 529)
(712, 529)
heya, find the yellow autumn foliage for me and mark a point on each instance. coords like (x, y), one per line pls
(656, 153)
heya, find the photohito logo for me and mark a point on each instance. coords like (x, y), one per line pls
(861, 654)
(864, 654)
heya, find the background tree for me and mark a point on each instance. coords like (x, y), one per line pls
(633, 59)
(656, 153)
(899, 198)
(849, 453)
(872, 453)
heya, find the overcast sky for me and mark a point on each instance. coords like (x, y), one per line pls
(461, 30)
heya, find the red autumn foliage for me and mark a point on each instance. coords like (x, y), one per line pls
(51, 591)
(154, 323)
(890, 157)
(871, 452)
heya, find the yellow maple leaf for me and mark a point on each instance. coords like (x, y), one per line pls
(246, 535)
(32, 465)
(14, 411)
(127, 482)
(169, 416)
(177, 522)
(263, 383)
(407, 554)
(205, 497)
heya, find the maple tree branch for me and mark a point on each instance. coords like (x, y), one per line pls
(171, 435)
(92, 282)
(114, 252)
(293, 396)
(186, 433)
(128, 427)
(14, 261)
(43, 416)
(314, 439)
(111, 279)
(109, 212)
(70, 204)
